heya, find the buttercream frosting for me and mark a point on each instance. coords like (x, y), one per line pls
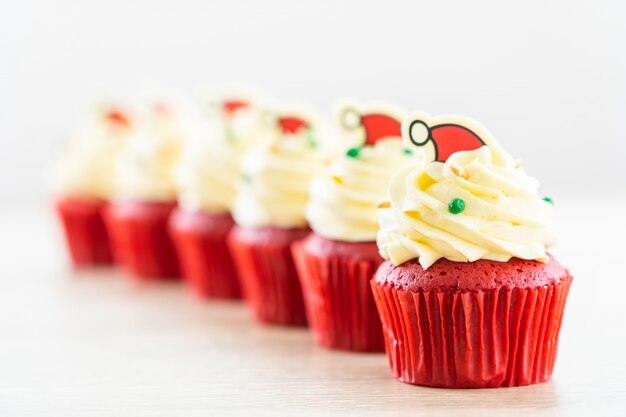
(84, 166)
(503, 215)
(273, 189)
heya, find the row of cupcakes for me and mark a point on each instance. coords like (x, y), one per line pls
(415, 235)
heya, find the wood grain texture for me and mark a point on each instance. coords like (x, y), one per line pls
(94, 343)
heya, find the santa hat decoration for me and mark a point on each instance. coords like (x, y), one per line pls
(112, 115)
(232, 106)
(448, 135)
(378, 124)
(292, 124)
(117, 118)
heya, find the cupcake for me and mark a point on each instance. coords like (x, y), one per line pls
(336, 262)
(469, 297)
(137, 218)
(269, 214)
(82, 183)
(206, 178)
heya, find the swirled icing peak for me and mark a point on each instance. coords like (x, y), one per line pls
(345, 195)
(478, 204)
(209, 169)
(83, 168)
(145, 169)
(274, 184)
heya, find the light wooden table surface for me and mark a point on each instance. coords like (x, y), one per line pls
(95, 344)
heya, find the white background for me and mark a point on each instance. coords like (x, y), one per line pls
(547, 78)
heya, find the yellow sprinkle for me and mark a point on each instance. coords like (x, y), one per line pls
(384, 204)
(459, 171)
(518, 164)
(414, 214)
(337, 179)
(274, 147)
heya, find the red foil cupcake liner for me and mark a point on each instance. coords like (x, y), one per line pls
(200, 240)
(85, 233)
(140, 239)
(494, 338)
(267, 273)
(338, 299)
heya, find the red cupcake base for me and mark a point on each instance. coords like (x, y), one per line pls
(140, 240)
(500, 337)
(85, 233)
(267, 272)
(335, 278)
(200, 240)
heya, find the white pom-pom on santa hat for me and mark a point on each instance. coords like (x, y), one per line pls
(419, 132)
(349, 118)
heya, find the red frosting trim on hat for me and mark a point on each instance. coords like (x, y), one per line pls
(447, 138)
(450, 138)
(378, 126)
(118, 118)
(231, 106)
(291, 124)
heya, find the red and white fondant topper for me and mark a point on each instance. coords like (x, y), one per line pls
(231, 106)
(375, 122)
(113, 114)
(445, 135)
(291, 124)
(118, 118)
(291, 119)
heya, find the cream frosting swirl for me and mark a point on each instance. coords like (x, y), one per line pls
(83, 168)
(145, 170)
(209, 169)
(344, 197)
(273, 189)
(503, 217)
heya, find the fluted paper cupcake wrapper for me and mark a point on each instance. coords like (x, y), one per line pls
(269, 282)
(205, 260)
(85, 233)
(339, 303)
(141, 242)
(495, 338)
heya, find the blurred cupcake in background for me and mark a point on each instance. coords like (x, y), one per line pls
(269, 212)
(83, 185)
(469, 296)
(337, 261)
(145, 190)
(206, 176)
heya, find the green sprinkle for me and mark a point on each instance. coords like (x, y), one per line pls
(407, 152)
(456, 206)
(246, 178)
(230, 136)
(310, 135)
(353, 152)
(549, 200)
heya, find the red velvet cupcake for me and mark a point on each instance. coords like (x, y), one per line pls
(207, 266)
(269, 211)
(83, 184)
(469, 296)
(146, 195)
(335, 278)
(478, 324)
(206, 178)
(336, 263)
(268, 274)
(140, 239)
(85, 234)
